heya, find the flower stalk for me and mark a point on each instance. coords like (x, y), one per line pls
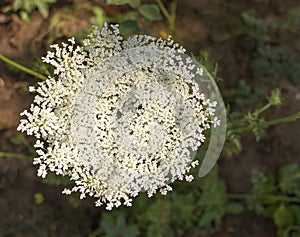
(171, 17)
(4, 154)
(287, 119)
(279, 198)
(22, 68)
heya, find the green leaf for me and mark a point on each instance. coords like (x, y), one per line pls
(293, 20)
(234, 208)
(135, 3)
(132, 3)
(183, 209)
(118, 227)
(25, 16)
(157, 217)
(296, 210)
(283, 217)
(17, 5)
(129, 27)
(289, 179)
(117, 2)
(43, 8)
(131, 231)
(151, 12)
(99, 17)
(27, 6)
(119, 18)
(262, 186)
(53, 179)
(18, 140)
(212, 202)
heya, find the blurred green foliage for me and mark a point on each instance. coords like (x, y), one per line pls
(132, 21)
(265, 41)
(276, 63)
(292, 22)
(26, 7)
(116, 226)
(132, 3)
(194, 208)
(278, 197)
(271, 59)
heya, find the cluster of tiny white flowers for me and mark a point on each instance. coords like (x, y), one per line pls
(120, 117)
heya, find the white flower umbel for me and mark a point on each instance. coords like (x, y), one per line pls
(120, 116)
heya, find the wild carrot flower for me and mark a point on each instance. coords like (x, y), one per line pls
(120, 116)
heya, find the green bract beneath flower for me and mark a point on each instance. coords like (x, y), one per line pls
(120, 117)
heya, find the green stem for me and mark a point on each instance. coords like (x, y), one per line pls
(173, 18)
(170, 17)
(241, 196)
(163, 9)
(243, 128)
(12, 155)
(259, 111)
(287, 119)
(22, 68)
(280, 198)
(291, 228)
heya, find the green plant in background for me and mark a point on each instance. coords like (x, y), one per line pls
(132, 3)
(270, 58)
(199, 207)
(170, 15)
(276, 63)
(115, 225)
(205, 60)
(157, 218)
(26, 7)
(270, 63)
(138, 17)
(292, 22)
(242, 122)
(196, 208)
(20, 142)
(253, 122)
(99, 16)
(278, 197)
(257, 29)
(22, 68)
(213, 203)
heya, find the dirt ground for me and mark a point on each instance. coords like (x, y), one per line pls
(202, 24)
